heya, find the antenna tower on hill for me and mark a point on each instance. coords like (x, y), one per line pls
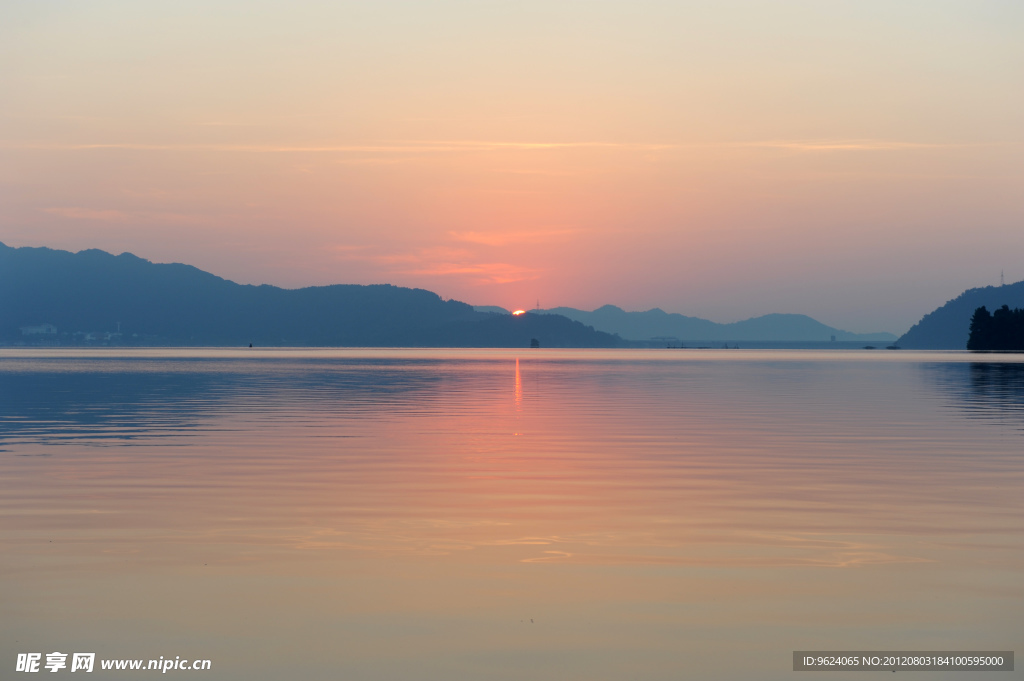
(1002, 279)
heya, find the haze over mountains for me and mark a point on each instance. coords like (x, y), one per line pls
(657, 323)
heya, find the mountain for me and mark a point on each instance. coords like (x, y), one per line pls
(657, 323)
(57, 297)
(947, 327)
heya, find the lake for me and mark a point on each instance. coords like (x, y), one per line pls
(500, 514)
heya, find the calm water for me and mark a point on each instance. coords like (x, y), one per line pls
(499, 515)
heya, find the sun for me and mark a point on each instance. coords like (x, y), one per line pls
(519, 312)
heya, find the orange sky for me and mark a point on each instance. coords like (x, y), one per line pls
(860, 162)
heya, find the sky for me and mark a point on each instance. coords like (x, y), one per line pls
(861, 162)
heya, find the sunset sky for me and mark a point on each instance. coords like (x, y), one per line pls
(861, 162)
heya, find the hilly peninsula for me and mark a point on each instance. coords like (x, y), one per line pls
(53, 297)
(948, 327)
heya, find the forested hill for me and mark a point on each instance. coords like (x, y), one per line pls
(948, 327)
(92, 297)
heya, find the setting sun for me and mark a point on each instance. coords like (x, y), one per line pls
(519, 312)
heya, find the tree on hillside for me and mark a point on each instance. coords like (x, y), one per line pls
(1001, 331)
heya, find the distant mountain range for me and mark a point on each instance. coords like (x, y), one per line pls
(52, 297)
(661, 325)
(948, 327)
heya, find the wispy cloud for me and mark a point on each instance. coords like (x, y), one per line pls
(843, 145)
(506, 238)
(421, 255)
(442, 262)
(120, 216)
(374, 161)
(449, 146)
(76, 213)
(481, 273)
(384, 147)
(349, 248)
